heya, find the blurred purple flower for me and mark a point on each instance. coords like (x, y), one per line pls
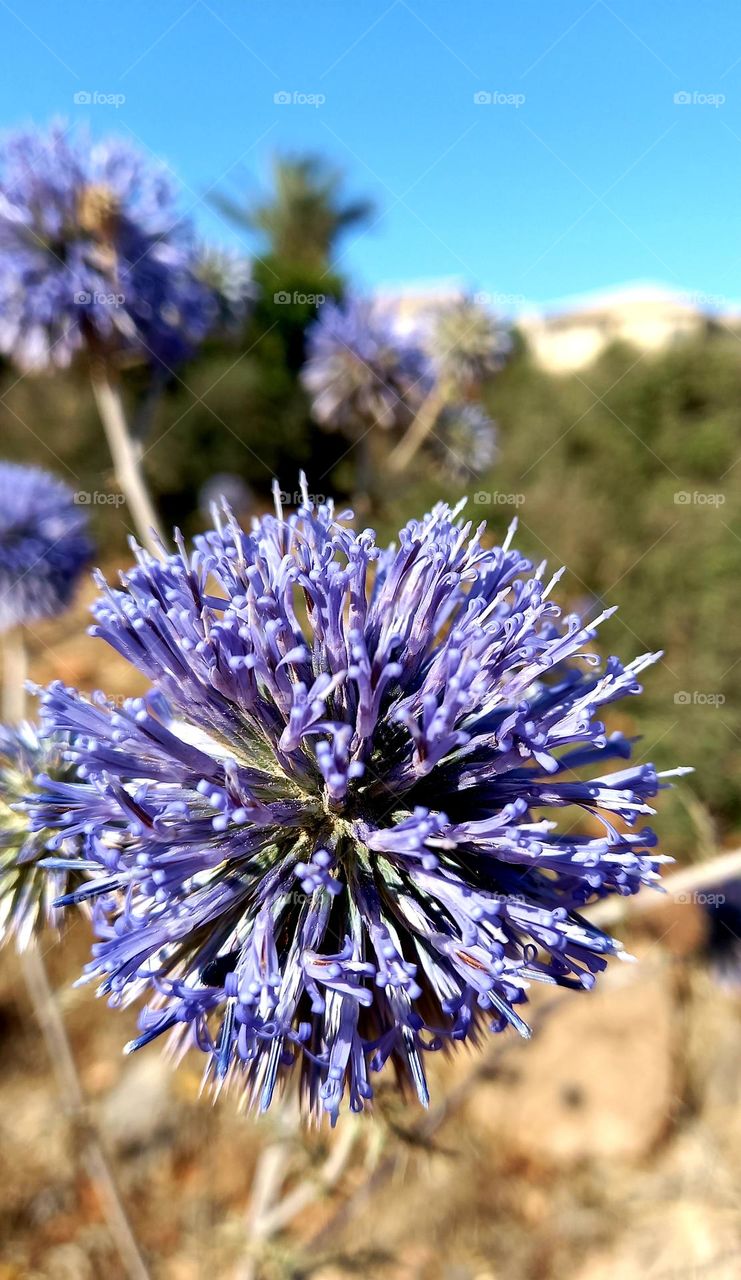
(93, 254)
(466, 440)
(44, 545)
(359, 372)
(329, 837)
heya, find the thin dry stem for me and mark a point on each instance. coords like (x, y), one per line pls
(15, 671)
(51, 1024)
(126, 455)
(425, 419)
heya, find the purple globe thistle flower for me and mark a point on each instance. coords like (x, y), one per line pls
(93, 255)
(358, 372)
(465, 437)
(44, 545)
(27, 890)
(340, 831)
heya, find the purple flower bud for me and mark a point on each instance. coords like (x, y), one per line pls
(345, 828)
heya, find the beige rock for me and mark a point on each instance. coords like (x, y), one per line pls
(139, 1112)
(683, 1240)
(596, 1079)
(67, 1262)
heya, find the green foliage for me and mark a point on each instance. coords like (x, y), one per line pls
(305, 215)
(242, 409)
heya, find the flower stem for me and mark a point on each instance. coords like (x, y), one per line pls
(424, 420)
(51, 1023)
(69, 1088)
(315, 1188)
(269, 1215)
(267, 1182)
(15, 670)
(126, 455)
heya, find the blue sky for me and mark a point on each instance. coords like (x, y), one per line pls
(580, 172)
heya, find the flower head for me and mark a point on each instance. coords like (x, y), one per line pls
(93, 255)
(342, 829)
(465, 345)
(359, 373)
(44, 545)
(228, 276)
(27, 890)
(465, 437)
